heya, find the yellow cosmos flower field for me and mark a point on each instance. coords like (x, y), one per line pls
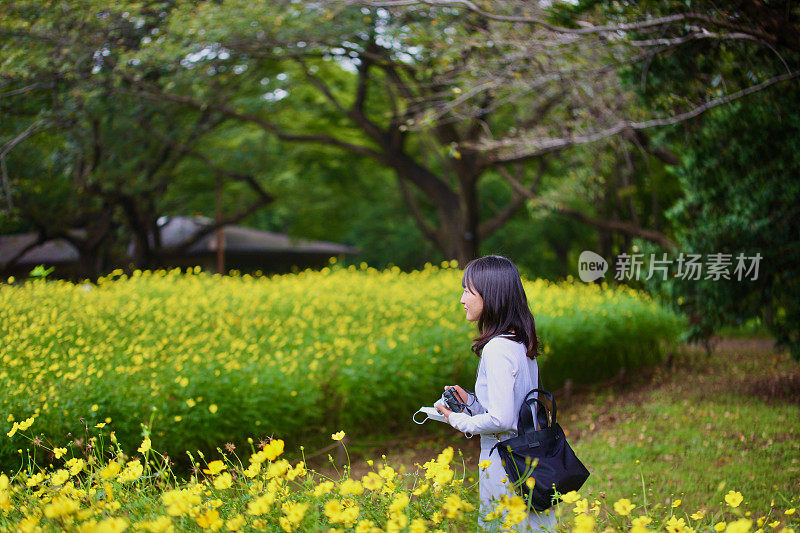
(272, 494)
(204, 359)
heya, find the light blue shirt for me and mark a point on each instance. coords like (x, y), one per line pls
(505, 377)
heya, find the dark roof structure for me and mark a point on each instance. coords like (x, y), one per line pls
(246, 249)
(57, 251)
(239, 239)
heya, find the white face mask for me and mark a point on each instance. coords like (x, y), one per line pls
(431, 413)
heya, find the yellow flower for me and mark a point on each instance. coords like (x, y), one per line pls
(372, 481)
(61, 506)
(789, 511)
(570, 497)
(213, 408)
(59, 452)
(733, 498)
(333, 509)
(623, 507)
(641, 521)
(417, 526)
(208, 519)
(252, 470)
(698, 515)
(261, 505)
(774, 524)
(367, 526)
(273, 449)
(162, 524)
(224, 481)
(399, 503)
(675, 525)
(75, 465)
(145, 446)
(59, 477)
(351, 487)
(720, 526)
(421, 489)
(338, 435)
(235, 523)
(387, 473)
(111, 470)
(100, 425)
(740, 526)
(132, 472)
(294, 511)
(215, 467)
(486, 463)
(454, 505)
(278, 469)
(676, 503)
(299, 470)
(584, 523)
(109, 525)
(323, 488)
(180, 501)
(581, 506)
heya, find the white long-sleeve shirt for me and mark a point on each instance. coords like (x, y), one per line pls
(505, 376)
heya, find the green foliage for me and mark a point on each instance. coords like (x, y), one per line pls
(741, 198)
(209, 359)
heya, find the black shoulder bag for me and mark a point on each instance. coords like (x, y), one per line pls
(540, 451)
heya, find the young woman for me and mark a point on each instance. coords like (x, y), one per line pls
(507, 347)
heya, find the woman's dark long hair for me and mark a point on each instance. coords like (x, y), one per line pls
(505, 306)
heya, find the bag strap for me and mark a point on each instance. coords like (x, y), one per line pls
(541, 398)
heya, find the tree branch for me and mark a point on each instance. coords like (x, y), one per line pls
(535, 147)
(587, 28)
(610, 225)
(423, 224)
(265, 124)
(496, 222)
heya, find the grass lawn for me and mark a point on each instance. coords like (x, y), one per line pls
(691, 429)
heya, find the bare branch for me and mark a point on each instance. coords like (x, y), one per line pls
(30, 131)
(26, 89)
(522, 149)
(587, 29)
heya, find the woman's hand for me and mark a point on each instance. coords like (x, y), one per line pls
(461, 394)
(444, 410)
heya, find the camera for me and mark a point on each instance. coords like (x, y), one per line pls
(452, 401)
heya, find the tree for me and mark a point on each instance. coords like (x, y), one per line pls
(737, 173)
(379, 84)
(77, 155)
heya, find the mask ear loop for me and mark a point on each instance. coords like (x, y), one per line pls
(414, 417)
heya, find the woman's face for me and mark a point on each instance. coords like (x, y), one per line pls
(472, 302)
